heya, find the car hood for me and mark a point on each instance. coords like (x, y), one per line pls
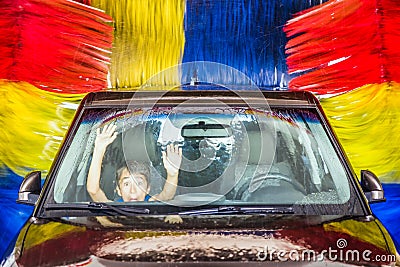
(121, 241)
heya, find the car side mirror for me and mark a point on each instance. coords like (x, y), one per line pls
(372, 187)
(30, 188)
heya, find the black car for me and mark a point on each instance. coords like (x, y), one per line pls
(261, 179)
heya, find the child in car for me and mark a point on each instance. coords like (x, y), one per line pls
(133, 180)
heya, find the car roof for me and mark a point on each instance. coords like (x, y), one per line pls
(145, 97)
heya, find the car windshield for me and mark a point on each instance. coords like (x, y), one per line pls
(233, 156)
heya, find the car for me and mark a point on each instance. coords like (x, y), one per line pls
(261, 179)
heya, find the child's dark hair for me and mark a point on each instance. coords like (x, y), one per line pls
(135, 167)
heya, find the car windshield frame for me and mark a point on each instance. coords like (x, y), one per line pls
(355, 205)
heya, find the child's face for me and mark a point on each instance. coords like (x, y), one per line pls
(132, 187)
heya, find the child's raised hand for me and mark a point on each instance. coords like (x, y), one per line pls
(172, 158)
(105, 136)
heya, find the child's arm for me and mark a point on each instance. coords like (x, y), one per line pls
(103, 139)
(172, 158)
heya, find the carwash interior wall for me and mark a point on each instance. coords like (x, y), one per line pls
(54, 52)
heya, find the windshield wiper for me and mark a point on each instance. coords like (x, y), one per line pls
(268, 210)
(120, 210)
(99, 206)
(239, 210)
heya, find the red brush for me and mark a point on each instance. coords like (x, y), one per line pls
(344, 44)
(86, 2)
(56, 45)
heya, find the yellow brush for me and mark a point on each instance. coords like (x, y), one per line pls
(148, 38)
(367, 123)
(34, 123)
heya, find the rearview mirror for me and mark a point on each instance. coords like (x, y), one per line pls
(372, 187)
(206, 130)
(30, 188)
